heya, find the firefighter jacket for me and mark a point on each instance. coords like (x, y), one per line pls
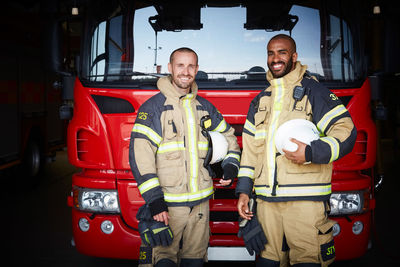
(273, 176)
(167, 148)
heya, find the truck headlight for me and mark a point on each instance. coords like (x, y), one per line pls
(96, 200)
(346, 203)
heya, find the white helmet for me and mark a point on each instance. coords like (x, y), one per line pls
(219, 147)
(300, 129)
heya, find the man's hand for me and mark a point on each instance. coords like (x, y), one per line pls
(243, 207)
(162, 217)
(298, 156)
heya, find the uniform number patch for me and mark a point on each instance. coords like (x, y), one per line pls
(145, 255)
(328, 251)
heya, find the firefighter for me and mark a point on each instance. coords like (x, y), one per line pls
(292, 190)
(168, 149)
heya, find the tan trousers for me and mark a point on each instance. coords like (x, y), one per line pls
(191, 230)
(304, 225)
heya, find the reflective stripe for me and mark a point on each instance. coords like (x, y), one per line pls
(334, 144)
(329, 116)
(170, 146)
(233, 155)
(149, 184)
(192, 142)
(147, 131)
(295, 191)
(202, 145)
(189, 197)
(246, 172)
(260, 134)
(221, 127)
(249, 127)
(276, 111)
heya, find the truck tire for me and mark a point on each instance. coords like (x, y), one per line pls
(33, 160)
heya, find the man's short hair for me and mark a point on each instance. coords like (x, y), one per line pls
(286, 37)
(184, 49)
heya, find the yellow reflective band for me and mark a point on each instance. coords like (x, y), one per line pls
(260, 134)
(192, 142)
(202, 145)
(233, 155)
(246, 172)
(276, 111)
(334, 145)
(295, 191)
(147, 131)
(221, 127)
(249, 127)
(329, 116)
(170, 146)
(149, 184)
(189, 197)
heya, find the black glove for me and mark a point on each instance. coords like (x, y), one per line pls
(252, 233)
(152, 232)
(146, 234)
(162, 233)
(230, 172)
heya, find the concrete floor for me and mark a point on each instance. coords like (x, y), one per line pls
(36, 220)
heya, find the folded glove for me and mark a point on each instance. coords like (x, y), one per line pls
(162, 234)
(252, 233)
(152, 232)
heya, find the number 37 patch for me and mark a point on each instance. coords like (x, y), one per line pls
(145, 255)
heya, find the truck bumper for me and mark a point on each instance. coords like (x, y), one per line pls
(349, 245)
(122, 243)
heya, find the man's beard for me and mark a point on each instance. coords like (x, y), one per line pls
(183, 85)
(287, 69)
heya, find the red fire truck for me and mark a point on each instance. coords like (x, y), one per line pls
(32, 131)
(125, 48)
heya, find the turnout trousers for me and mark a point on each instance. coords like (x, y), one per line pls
(297, 232)
(190, 226)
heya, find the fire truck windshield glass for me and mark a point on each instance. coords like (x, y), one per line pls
(133, 46)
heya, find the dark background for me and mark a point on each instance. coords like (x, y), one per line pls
(36, 219)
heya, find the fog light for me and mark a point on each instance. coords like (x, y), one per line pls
(107, 227)
(84, 224)
(357, 227)
(336, 229)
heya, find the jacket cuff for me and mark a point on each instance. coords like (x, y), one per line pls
(308, 153)
(158, 206)
(244, 185)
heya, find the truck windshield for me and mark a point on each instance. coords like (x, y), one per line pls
(132, 44)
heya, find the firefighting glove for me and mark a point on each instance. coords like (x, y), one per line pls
(230, 172)
(146, 234)
(162, 233)
(252, 232)
(152, 232)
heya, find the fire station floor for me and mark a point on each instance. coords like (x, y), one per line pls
(36, 219)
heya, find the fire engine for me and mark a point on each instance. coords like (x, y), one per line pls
(32, 131)
(125, 49)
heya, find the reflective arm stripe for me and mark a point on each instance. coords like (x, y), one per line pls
(329, 116)
(246, 172)
(148, 132)
(189, 197)
(250, 127)
(295, 191)
(233, 155)
(149, 184)
(221, 127)
(170, 146)
(334, 145)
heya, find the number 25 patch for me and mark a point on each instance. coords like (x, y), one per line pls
(145, 255)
